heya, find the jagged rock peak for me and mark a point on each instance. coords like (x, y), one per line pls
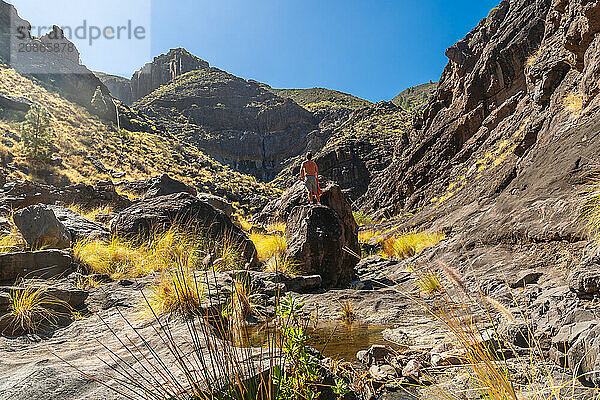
(163, 69)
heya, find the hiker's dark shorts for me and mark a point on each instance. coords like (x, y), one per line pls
(311, 183)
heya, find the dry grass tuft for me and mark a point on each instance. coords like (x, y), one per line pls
(240, 307)
(410, 244)
(347, 312)
(573, 103)
(177, 291)
(282, 263)
(31, 308)
(429, 282)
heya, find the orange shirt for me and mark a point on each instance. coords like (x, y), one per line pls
(309, 167)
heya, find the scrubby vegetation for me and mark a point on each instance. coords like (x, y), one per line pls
(163, 251)
(415, 98)
(84, 142)
(319, 98)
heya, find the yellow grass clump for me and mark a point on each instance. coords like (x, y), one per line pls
(573, 103)
(282, 263)
(116, 257)
(410, 243)
(176, 247)
(177, 291)
(31, 308)
(268, 245)
(12, 241)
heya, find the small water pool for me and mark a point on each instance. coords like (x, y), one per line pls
(333, 339)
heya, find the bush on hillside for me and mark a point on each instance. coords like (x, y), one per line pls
(37, 134)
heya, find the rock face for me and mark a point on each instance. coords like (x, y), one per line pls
(40, 227)
(20, 194)
(8, 102)
(237, 122)
(351, 147)
(162, 70)
(163, 211)
(323, 239)
(40, 264)
(164, 184)
(78, 227)
(61, 70)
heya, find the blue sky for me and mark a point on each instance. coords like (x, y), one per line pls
(372, 49)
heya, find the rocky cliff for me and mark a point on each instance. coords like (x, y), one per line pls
(236, 121)
(354, 145)
(512, 123)
(58, 66)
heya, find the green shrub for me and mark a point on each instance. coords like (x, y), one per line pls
(37, 133)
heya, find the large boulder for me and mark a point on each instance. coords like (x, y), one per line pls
(281, 208)
(164, 184)
(584, 355)
(30, 264)
(323, 239)
(162, 212)
(78, 226)
(40, 227)
(20, 194)
(217, 202)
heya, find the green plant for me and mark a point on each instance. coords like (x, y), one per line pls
(300, 377)
(362, 218)
(37, 134)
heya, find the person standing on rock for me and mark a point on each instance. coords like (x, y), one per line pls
(309, 173)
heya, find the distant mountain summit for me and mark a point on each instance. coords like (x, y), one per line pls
(415, 98)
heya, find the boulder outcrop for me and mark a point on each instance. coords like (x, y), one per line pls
(164, 185)
(20, 194)
(34, 264)
(40, 227)
(79, 227)
(323, 239)
(179, 208)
